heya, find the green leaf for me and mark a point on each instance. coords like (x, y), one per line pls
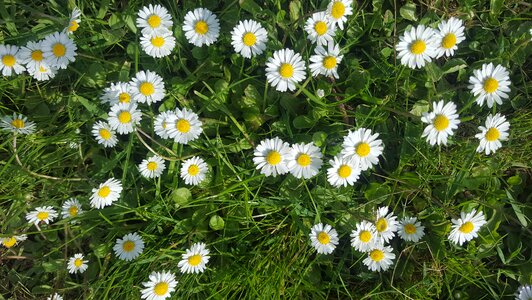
(319, 138)
(518, 212)
(295, 8)
(216, 223)
(408, 11)
(301, 122)
(495, 7)
(250, 6)
(181, 196)
(454, 65)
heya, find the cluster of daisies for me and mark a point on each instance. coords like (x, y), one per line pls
(42, 59)
(157, 39)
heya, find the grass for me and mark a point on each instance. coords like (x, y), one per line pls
(262, 250)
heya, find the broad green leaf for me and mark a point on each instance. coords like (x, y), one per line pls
(408, 11)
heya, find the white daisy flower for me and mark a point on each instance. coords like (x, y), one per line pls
(31, 55)
(158, 45)
(123, 117)
(159, 287)
(284, 69)
(106, 193)
(148, 87)
(449, 35)
(323, 238)
(194, 170)
(71, 208)
(10, 61)
(417, 46)
(152, 167)
(104, 134)
(195, 259)
(154, 20)
(129, 247)
(44, 214)
(379, 258)
(271, 157)
(18, 124)
(11, 241)
(304, 160)
(77, 264)
(490, 137)
(184, 126)
(410, 229)
(201, 27)
(386, 224)
(490, 83)
(249, 38)
(364, 237)
(55, 296)
(326, 61)
(59, 50)
(343, 171)
(120, 92)
(162, 123)
(466, 227)
(73, 23)
(338, 10)
(320, 29)
(43, 72)
(524, 292)
(442, 121)
(362, 147)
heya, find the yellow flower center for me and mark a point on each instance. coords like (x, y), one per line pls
(448, 41)
(73, 26)
(8, 60)
(104, 191)
(329, 62)
(441, 122)
(146, 88)
(9, 242)
(124, 98)
(410, 228)
(490, 85)
(362, 149)
(78, 262)
(105, 134)
(365, 236)
(286, 70)
(59, 50)
(42, 69)
(151, 166)
(467, 227)
(36, 55)
(381, 225)
(128, 246)
(320, 27)
(249, 39)
(18, 123)
(183, 126)
(42, 215)
(193, 170)
(273, 157)
(304, 160)
(492, 134)
(124, 117)
(344, 171)
(154, 21)
(323, 238)
(418, 47)
(157, 41)
(160, 288)
(201, 27)
(73, 211)
(338, 10)
(376, 255)
(194, 260)
(164, 124)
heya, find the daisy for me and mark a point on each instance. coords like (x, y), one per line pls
(271, 157)
(31, 55)
(284, 69)
(304, 160)
(386, 224)
(73, 23)
(123, 117)
(129, 247)
(120, 92)
(10, 60)
(380, 258)
(249, 38)
(152, 167)
(71, 208)
(490, 83)
(417, 46)
(11, 241)
(76, 263)
(18, 124)
(449, 35)
(524, 292)
(442, 121)
(342, 172)
(320, 29)
(362, 147)
(411, 230)
(338, 10)
(490, 137)
(161, 123)
(195, 259)
(104, 134)
(326, 61)
(55, 296)
(364, 237)
(158, 45)
(159, 287)
(466, 227)
(194, 170)
(154, 20)
(323, 238)
(44, 214)
(148, 87)
(106, 193)
(201, 27)
(59, 50)
(184, 126)
(43, 72)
